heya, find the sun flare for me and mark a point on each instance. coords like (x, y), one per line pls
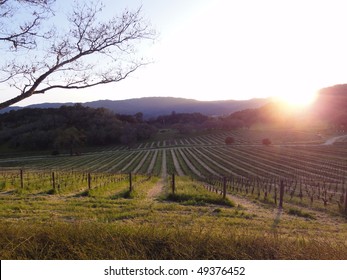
(298, 99)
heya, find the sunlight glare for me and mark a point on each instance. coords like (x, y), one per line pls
(298, 99)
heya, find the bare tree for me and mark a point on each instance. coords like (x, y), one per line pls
(91, 52)
(26, 30)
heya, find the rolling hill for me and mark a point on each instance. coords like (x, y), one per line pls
(329, 108)
(154, 106)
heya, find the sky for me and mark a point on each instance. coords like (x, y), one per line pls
(229, 49)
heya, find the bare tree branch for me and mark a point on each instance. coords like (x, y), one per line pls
(24, 34)
(91, 53)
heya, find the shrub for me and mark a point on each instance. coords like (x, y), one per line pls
(266, 141)
(55, 153)
(229, 140)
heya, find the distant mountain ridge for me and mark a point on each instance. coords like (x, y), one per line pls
(152, 107)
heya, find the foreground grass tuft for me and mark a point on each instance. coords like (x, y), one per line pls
(106, 241)
(200, 200)
(300, 213)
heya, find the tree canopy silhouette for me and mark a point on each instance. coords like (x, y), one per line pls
(85, 52)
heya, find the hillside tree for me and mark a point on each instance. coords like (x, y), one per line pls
(40, 54)
(229, 140)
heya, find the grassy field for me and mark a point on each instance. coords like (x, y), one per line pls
(93, 214)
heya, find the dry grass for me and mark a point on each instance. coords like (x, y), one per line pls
(107, 241)
(103, 225)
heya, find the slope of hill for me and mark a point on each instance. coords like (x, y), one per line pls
(328, 109)
(155, 106)
(331, 105)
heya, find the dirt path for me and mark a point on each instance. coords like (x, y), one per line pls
(158, 187)
(250, 207)
(332, 140)
(261, 212)
(156, 190)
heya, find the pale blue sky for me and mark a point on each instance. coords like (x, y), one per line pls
(230, 49)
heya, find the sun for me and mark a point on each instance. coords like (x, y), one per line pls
(298, 99)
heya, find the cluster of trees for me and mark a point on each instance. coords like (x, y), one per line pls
(182, 122)
(190, 122)
(71, 127)
(230, 140)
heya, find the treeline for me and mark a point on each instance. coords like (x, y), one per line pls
(328, 108)
(70, 128)
(186, 123)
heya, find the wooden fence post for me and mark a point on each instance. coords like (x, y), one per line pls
(53, 180)
(281, 194)
(21, 179)
(173, 183)
(130, 182)
(224, 187)
(89, 181)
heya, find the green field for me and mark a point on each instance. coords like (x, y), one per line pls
(223, 202)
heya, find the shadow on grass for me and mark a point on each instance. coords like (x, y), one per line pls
(198, 200)
(300, 213)
(124, 194)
